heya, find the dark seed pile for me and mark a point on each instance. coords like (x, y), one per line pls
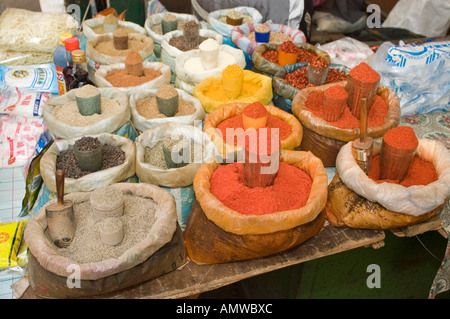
(112, 156)
(181, 44)
(87, 143)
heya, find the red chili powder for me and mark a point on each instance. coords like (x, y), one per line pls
(303, 56)
(298, 78)
(263, 137)
(236, 122)
(420, 172)
(363, 72)
(337, 92)
(376, 116)
(288, 47)
(401, 137)
(255, 110)
(319, 62)
(290, 190)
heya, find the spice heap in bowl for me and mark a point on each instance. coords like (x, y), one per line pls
(289, 46)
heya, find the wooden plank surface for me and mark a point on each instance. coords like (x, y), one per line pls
(193, 279)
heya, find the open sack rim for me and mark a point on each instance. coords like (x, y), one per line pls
(242, 224)
(158, 38)
(414, 200)
(161, 233)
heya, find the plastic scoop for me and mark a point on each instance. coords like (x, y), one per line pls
(60, 216)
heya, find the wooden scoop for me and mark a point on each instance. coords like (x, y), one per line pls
(362, 148)
(60, 216)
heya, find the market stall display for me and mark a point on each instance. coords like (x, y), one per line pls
(149, 223)
(96, 26)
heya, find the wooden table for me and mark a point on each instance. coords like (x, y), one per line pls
(193, 279)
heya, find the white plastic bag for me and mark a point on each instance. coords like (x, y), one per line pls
(18, 101)
(347, 51)
(142, 123)
(89, 24)
(414, 200)
(421, 88)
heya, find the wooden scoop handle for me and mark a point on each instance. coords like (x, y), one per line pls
(60, 186)
(363, 118)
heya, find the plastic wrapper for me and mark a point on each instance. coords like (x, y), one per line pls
(187, 80)
(326, 22)
(263, 95)
(90, 24)
(173, 177)
(397, 66)
(142, 123)
(18, 101)
(169, 53)
(264, 66)
(25, 58)
(107, 125)
(224, 28)
(92, 180)
(249, 46)
(164, 78)
(415, 200)
(96, 59)
(160, 234)
(155, 19)
(29, 31)
(229, 110)
(287, 92)
(13, 250)
(237, 223)
(40, 77)
(347, 51)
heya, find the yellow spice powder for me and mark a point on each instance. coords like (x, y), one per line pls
(217, 91)
(233, 71)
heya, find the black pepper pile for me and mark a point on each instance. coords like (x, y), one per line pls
(112, 156)
(87, 143)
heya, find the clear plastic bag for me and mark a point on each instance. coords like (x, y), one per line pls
(347, 51)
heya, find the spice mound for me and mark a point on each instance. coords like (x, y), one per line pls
(376, 116)
(275, 37)
(364, 73)
(121, 77)
(112, 156)
(402, 137)
(87, 143)
(69, 113)
(304, 56)
(299, 79)
(87, 246)
(290, 190)
(107, 47)
(420, 172)
(148, 108)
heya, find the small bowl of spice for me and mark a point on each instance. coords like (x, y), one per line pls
(111, 231)
(254, 116)
(88, 100)
(334, 103)
(234, 18)
(262, 33)
(88, 153)
(317, 71)
(233, 81)
(169, 23)
(167, 99)
(209, 54)
(287, 53)
(106, 202)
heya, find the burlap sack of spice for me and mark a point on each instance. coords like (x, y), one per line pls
(164, 78)
(173, 177)
(96, 59)
(93, 180)
(187, 80)
(325, 140)
(156, 18)
(107, 125)
(355, 200)
(243, 224)
(263, 95)
(269, 68)
(169, 52)
(142, 123)
(286, 90)
(90, 24)
(160, 234)
(231, 109)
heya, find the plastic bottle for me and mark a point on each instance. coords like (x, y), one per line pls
(71, 44)
(80, 73)
(60, 61)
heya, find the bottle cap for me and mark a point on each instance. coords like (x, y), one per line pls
(71, 44)
(78, 56)
(64, 36)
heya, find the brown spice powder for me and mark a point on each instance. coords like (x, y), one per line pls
(166, 92)
(107, 47)
(121, 78)
(148, 108)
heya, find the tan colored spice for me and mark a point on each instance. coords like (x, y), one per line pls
(121, 78)
(69, 114)
(166, 91)
(87, 91)
(99, 29)
(107, 47)
(87, 247)
(155, 156)
(111, 19)
(148, 108)
(262, 28)
(157, 28)
(169, 18)
(275, 37)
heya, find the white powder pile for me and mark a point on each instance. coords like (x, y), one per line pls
(195, 65)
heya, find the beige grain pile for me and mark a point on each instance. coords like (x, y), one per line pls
(148, 108)
(87, 247)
